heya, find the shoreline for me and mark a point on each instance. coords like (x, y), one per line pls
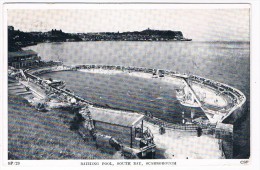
(218, 108)
(166, 79)
(138, 72)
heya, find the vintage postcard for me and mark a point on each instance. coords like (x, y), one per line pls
(111, 85)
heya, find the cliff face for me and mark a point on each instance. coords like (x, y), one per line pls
(18, 39)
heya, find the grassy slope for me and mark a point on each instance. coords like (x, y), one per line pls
(45, 135)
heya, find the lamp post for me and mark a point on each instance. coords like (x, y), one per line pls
(192, 114)
(183, 118)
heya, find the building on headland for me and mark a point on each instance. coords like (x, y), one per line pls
(21, 59)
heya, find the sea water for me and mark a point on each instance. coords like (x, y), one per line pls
(226, 62)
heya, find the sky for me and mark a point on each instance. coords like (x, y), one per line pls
(199, 24)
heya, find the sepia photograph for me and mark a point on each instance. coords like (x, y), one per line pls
(128, 81)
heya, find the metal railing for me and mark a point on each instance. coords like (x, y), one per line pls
(210, 128)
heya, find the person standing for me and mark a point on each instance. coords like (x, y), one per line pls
(199, 131)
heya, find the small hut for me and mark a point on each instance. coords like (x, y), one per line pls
(126, 127)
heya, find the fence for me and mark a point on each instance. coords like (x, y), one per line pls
(209, 128)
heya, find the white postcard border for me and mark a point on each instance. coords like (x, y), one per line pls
(237, 164)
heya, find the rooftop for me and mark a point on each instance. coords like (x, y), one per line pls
(21, 53)
(116, 117)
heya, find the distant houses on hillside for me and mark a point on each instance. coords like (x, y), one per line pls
(145, 35)
(18, 39)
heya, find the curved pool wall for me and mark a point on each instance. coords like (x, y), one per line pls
(238, 98)
(229, 115)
